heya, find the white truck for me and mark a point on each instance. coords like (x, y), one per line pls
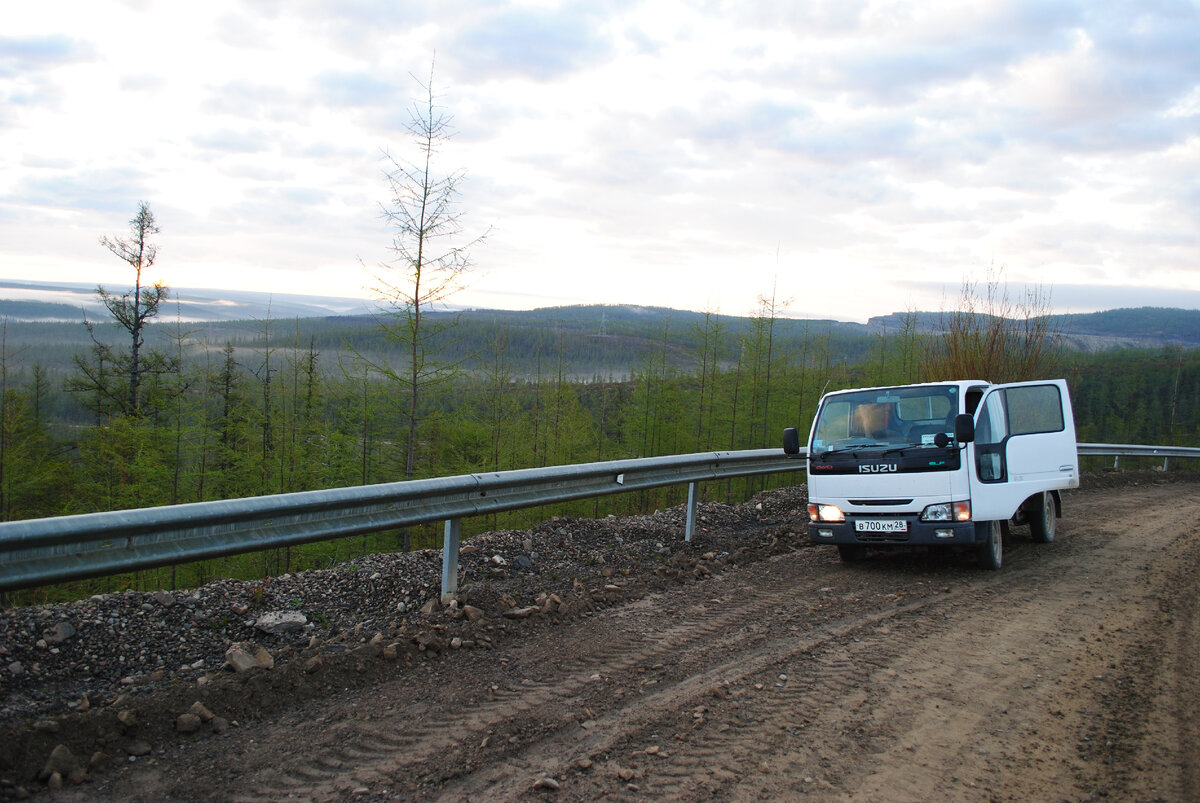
(938, 464)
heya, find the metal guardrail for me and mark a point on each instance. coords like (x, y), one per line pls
(43, 551)
(1119, 450)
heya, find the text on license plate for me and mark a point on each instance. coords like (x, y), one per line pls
(881, 526)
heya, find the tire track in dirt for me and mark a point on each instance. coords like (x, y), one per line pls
(637, 634)
(949, 698)
(1029, 672)
(559, 754)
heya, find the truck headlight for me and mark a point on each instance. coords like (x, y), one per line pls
(947, 511)
(829, 513)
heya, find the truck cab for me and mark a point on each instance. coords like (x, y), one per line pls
(938, 464)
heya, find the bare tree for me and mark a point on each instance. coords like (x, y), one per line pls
(991, 337)
(429, 257)
(134, 310)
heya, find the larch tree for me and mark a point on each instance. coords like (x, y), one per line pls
(121, 390)
(429, 257)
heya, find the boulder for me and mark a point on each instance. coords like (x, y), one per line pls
(278, 623)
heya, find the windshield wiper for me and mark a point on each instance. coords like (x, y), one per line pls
(853, 447)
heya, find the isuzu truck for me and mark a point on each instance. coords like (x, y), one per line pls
(948, 464)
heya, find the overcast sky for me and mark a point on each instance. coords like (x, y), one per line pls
(854, 158)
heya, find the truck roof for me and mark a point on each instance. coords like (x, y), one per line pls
(960, 383)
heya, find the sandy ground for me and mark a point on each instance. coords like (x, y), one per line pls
(1068, 675)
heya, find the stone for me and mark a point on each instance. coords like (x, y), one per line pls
(521, 613)
(244, 656)
(547, 783)
(430, 642)
(128, 720)
(61, 762)
(138, 748)
(187, 723)
(60, 632)
(200, 711)
(164, 599)
(522, 562)
(472, 613)
(278, 623)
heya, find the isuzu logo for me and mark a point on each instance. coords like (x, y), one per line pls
(878, 468)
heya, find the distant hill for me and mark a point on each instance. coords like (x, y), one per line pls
(1140, 327)
(585, 341)
(44, 301)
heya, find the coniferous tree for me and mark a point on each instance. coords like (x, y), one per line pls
(429, 260)
(114, 377)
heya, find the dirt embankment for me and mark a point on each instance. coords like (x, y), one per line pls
(748, 666)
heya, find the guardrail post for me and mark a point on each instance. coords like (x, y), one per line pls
(450, 558)
(1166, 463)
(691, 512)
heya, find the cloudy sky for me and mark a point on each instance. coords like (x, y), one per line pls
(854, 158)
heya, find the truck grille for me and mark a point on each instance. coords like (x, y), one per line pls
(882, 538)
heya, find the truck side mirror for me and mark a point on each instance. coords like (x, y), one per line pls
(964, 428)
(791, 441)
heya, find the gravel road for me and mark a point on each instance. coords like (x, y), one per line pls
(747, 666)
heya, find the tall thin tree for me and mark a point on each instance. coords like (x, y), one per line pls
(429, 256)
(133, 310)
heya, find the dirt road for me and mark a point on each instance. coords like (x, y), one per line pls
(1068, 675)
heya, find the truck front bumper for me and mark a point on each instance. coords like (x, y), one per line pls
(915, 532)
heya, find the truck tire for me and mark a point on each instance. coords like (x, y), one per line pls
(852, 553)
(1043, 518)
(989, 545)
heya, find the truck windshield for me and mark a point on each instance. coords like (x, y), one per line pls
(886, 417)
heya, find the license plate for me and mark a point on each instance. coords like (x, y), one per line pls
(881, 526)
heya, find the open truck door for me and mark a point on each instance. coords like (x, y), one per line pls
(1024, 447)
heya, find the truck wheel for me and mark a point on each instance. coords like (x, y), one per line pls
(1043, 518)
(852, 553)
(990, 550)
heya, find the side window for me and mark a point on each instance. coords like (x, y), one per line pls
(990, 432)
(992, 426)
(1037, 408)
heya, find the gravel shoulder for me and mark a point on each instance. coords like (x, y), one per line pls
(746, 665)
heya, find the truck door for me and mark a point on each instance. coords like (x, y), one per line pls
(1024, 444)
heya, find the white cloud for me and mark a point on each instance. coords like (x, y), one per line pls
(655, 152)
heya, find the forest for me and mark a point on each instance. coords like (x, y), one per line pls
(247, 408)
